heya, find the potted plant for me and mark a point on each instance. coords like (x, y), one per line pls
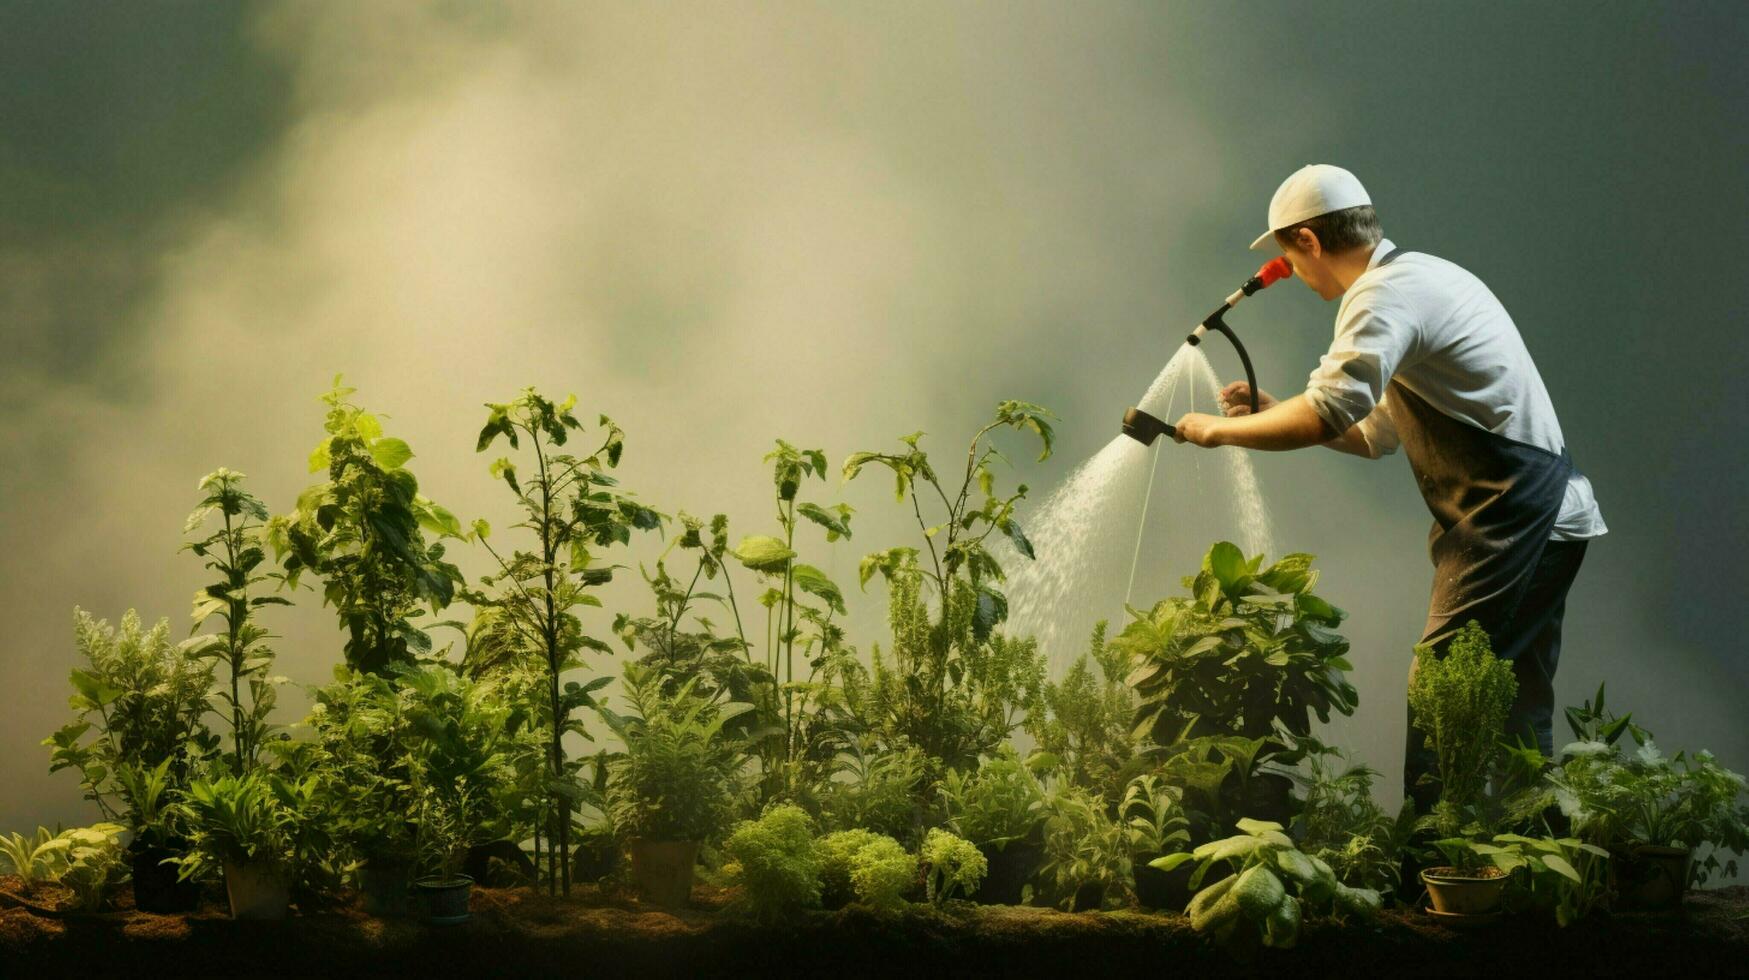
(1652, 812)
(1001, 809)
(673, 787)
(1157, 826)
(445, 824)
(242, 826)
(1468, 884)
(137, 737)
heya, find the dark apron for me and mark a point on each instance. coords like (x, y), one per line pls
(1494, 502)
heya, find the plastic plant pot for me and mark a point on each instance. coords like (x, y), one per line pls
(257, 889)
(662, 870)
(1652, 878)
(446, 898)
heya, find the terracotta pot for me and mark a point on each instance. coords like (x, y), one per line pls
(1474, 892)
(1651, 878)
(662, 870)
(446, 898)
(257, 889)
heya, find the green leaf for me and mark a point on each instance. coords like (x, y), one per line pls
(1011, 527)
(763, 553)
(815, 582)
(391, 453)
(836, 521)
(1559, 865)
(1170, 861)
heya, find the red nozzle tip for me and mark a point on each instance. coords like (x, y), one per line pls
(1275, 269)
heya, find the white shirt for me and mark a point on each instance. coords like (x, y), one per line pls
(1440, 331)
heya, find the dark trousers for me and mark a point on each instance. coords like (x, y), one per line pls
(1525, 627)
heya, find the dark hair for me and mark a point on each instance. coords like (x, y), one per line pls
(1338, 231)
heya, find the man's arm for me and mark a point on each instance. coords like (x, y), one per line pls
(1235, 399)
(1292, 424)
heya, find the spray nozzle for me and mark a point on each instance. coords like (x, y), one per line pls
(1145, 428)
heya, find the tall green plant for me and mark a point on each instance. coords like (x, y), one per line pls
(233, 550)
(1460, 702)
(954, 687)
(572, 511)
(362, 531)
(1083, 729)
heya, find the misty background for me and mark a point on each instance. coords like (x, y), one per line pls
(838, 223)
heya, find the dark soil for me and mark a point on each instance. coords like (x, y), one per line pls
(603, 933)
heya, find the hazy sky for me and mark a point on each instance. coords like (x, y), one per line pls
(837, 223)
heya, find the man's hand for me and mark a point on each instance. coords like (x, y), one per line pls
(1199, 429)
(1236, 399)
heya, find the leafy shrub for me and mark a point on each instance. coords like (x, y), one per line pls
(1461, 701)
(1272, 888)
(141, 699)
(675, 780)
(36, 859)
(94, 864)
(237, 818)
(884, 792)
(1345, 828)
(1085, 850)
(1082, 724)
(362, 531)
(1152, 814)
(774, 860)
(1645, 798)
(951, 865)
(1249, 654)
(1565, 876)
(874, 869)
(1002, 801)
(952, 686)
(1223, 777)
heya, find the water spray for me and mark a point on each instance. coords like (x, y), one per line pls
(1145, 428)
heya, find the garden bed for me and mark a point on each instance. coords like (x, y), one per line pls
(604, 934)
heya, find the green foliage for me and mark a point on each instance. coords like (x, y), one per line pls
(775, 861)
(953, 687)
(140, 700)
(1616, 799)
(676, 778)
(1082, 726)
(883, 791)
(1247, 653)
(1273, 887)
(872, 868)
(1085, 849)
(362, 532)
(1460, 701)
(1001, 802)
(572, 513)
(36, 859)
(1564, 876)
(951, 865)
(1224, 777)
(233, 551)
(1345, 828)
(238, 818)
(95, 864)
(1153, 814)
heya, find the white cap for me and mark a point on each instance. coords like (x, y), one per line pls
(1317, 188)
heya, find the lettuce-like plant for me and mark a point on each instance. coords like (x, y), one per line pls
(952, 865)
(35, 859)
(94, 864)
(872, 868)
(775, 861)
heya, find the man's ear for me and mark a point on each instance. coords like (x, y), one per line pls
(1308, 242)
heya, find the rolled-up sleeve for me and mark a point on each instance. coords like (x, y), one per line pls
(1379, 429)
(1373, 333)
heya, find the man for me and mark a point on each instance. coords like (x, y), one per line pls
(1427, 359)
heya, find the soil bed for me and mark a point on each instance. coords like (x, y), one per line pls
(605, 934)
